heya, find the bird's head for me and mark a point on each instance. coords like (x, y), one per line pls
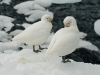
(69, 21)
(46, 18)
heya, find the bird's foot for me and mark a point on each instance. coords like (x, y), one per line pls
(43, 48)
(66, 61)
(36, 51)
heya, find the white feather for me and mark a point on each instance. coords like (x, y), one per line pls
(35, 34)
(64, 42)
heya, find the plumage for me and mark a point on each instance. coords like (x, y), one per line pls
(37, 33)
(65, 40)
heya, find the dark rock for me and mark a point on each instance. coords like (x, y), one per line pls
(15, 27)
(20, 48)
(84, 55)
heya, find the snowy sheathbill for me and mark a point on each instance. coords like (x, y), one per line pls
(65, 40)
(37, 33)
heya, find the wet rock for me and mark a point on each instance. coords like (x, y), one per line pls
(86, 56)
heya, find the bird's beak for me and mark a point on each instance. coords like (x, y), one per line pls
(50, 20)
(67, 25)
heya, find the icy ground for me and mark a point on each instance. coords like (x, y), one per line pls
(26, 62)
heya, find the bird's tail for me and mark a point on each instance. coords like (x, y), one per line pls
(48, 53)
(15, 40)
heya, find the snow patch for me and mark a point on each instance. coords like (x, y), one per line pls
(65, 1)
(37, 14)
(5, 1)
(4, 36)
(25, 25)
(26, 62)
(27, 6)
(82, 35)
(6, 22)
(15, 32)
(97, 27)
(87, 45)
(44, 3)
(9, 46)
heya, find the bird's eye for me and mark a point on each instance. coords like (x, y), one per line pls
(47, 18)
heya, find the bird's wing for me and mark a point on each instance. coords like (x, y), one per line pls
(62, 42)
(36, 29)
(52, 42)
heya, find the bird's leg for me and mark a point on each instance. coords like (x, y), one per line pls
(68, 60)
(41, 48)
(35, 50)
(63, 59)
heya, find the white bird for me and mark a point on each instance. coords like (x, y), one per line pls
(36, 34)
(97, 27)
(65, 40)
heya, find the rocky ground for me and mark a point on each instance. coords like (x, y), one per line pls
(86, 13)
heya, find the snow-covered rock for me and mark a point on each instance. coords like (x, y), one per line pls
(25, 25)
(82, 35)
(97, 27)
(65, 1)
(1, 25)
(8, 26)
(4, 36)
(5, 1)
(37, 14)
(27, 6)
(15, 32)
(44, 3)
(6, 22)
(6, 19)
(33, 9)
(87, 45)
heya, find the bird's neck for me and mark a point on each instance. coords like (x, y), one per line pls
(45, 21)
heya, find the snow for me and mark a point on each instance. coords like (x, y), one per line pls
(49, 39)
(1, 25)
(97, 27)
(6, 22)
(87, 45)
(4, 36)
(6, 18)
(26, 62)
(9, 46)
(15, 32)
(33, 10)
(82, 35)
(65, 1)
(37, 14)
(5, 1)
(44, 3)
(27, 6)
(8, 26)
(25, 25)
